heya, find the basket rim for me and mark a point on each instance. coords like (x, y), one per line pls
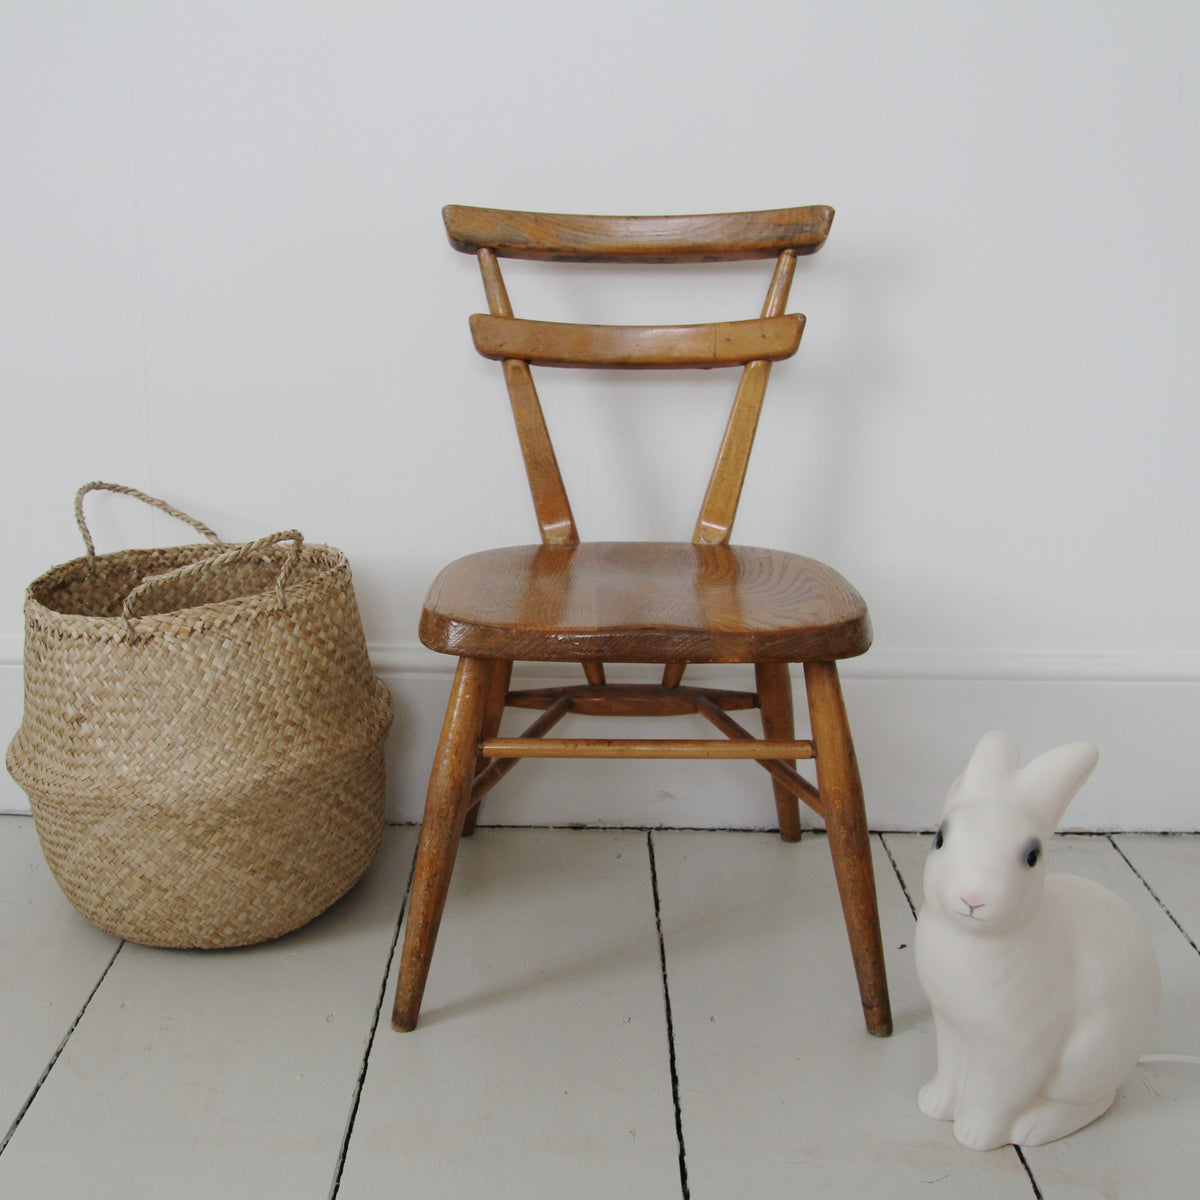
(194, 618)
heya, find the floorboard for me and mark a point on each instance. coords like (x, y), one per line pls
(1169, 867)
(555, 1056)
(52, 961)
(539, 1068)
(209, 1074)
(783, 1092)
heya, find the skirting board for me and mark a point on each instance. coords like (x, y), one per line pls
(915, 722)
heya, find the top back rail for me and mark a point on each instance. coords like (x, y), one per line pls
(723, 237)
(491, 234)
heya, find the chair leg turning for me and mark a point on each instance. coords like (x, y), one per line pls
(849, 841)
(441, 830)
(774, 684)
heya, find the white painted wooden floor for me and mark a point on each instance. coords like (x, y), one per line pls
(556, 1057)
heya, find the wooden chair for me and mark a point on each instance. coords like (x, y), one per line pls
(670, 603)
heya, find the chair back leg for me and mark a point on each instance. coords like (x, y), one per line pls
(493, 712)
(774, 684)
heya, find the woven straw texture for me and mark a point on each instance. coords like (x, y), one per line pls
(208, 772)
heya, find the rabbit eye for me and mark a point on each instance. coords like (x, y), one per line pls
(1032, 853)
(939, 837)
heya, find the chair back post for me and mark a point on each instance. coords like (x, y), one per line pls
(550, 502)
(717, 513)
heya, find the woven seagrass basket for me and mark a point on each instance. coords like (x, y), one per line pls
(202, 741)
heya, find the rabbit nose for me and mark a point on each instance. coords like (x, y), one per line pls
(972, 900)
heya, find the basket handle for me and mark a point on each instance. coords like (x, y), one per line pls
(97, 486)
(224, 559)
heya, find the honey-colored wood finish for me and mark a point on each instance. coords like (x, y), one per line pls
(543, 747)
(552, 344)
(494, 703)
(846, 824)
(774, 683)
(632, 699)
(644, 602)
(550, 502)
(715, 522)
(445, 809)
(558, 237)
(664, 603)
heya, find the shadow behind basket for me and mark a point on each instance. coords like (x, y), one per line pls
(217, 778)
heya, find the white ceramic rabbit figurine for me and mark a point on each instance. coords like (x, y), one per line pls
(1044, 988)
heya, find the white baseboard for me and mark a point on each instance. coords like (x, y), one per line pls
(915, 720)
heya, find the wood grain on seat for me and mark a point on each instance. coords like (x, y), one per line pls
(644, 602)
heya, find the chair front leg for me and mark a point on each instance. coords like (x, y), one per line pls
(849, 840)
(774, 683)
(441, 829)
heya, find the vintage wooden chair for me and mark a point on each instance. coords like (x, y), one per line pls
(670, 603)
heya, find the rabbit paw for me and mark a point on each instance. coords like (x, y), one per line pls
(978, 1131)
(1053, 1119)
(936, 1100)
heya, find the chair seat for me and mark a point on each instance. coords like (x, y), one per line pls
(644, 602)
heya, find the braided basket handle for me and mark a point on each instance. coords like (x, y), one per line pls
(97, 486)
(216, 562)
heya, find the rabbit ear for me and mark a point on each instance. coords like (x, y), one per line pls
(993, 763)
(1049, 783)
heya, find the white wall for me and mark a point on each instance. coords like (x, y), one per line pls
(225, 281)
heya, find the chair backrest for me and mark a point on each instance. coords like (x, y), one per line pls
(753, 344)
